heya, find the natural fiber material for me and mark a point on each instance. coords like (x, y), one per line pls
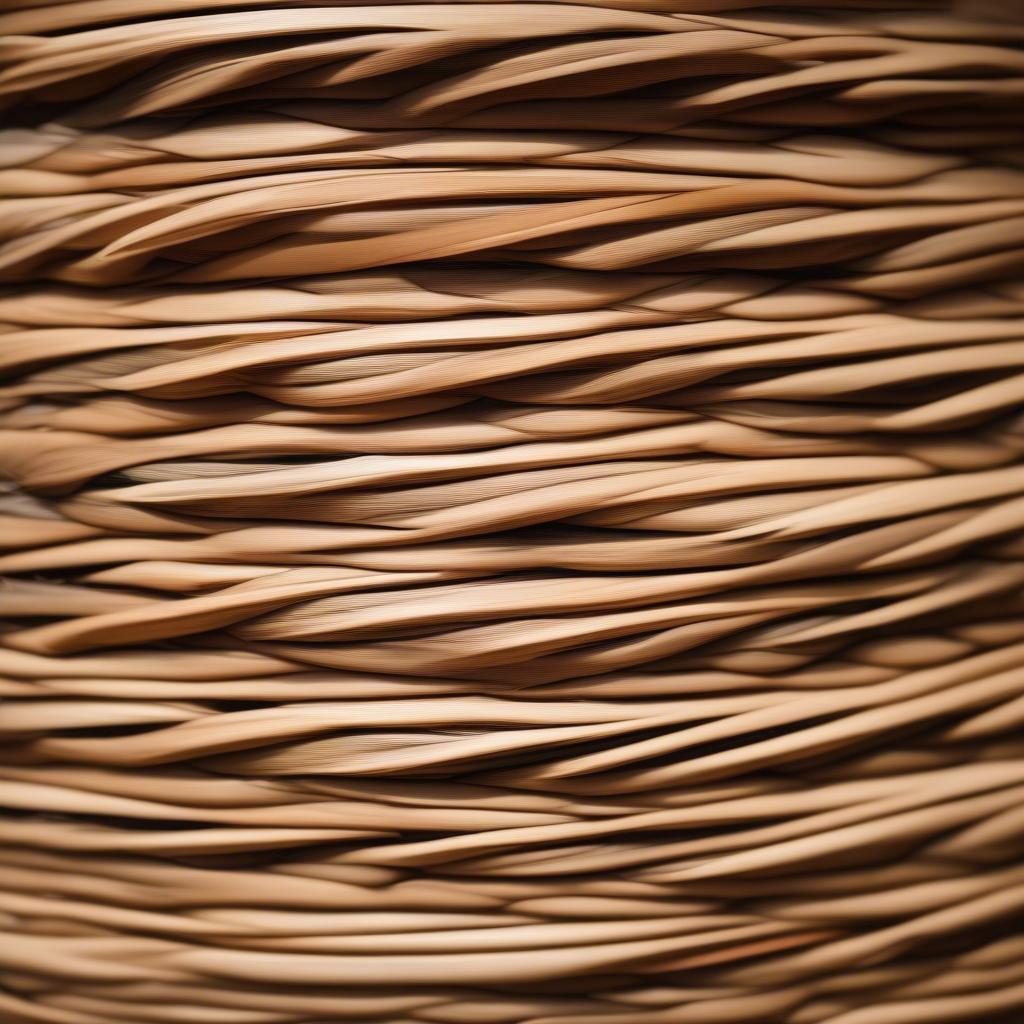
(515, 513)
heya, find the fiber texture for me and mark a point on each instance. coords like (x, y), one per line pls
(514, 513)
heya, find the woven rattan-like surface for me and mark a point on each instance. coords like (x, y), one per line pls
(514, 513)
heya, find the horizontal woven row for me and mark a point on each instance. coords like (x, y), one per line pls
(514, 513)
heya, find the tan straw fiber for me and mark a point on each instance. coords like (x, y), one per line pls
(513, 512)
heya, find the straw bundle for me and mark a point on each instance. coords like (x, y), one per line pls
(514, 513)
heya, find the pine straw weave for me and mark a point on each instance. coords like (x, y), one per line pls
(514, 513)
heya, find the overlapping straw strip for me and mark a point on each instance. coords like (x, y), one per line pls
(515, 513)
